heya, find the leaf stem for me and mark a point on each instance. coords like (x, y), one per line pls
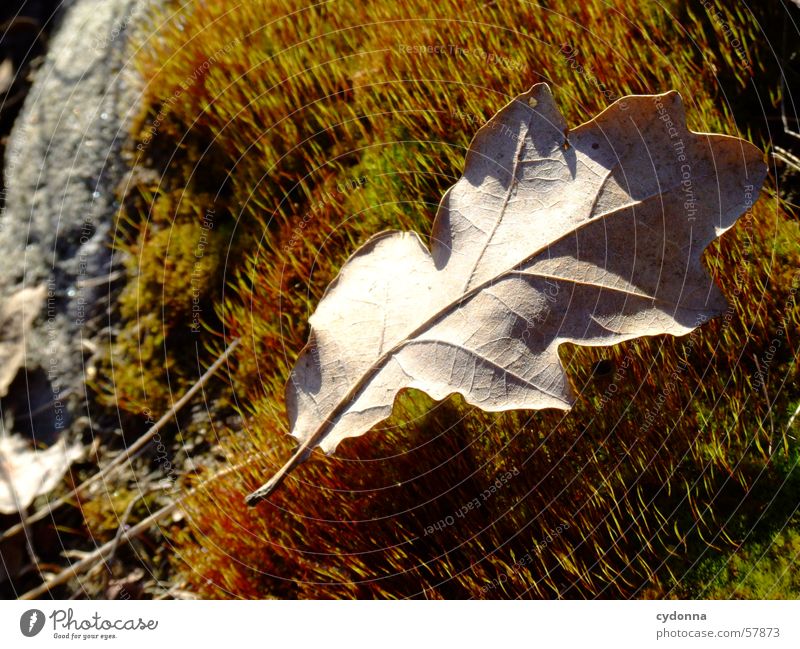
(300, 456)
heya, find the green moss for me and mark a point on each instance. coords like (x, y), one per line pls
(765, 570)
(175, 259)
(287, 112)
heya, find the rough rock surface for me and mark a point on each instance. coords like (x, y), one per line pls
(63, 166)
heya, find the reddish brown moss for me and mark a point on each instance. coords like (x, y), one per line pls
(296, 103)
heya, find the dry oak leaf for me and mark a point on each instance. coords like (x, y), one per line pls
(592, 236)
(26, 473)
(17, 314)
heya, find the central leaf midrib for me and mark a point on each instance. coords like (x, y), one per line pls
(380, 362)
(501, 212)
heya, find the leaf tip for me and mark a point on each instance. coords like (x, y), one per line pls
(536, 93)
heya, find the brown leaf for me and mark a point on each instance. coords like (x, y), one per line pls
(16, 315)
(26, 473)
(591, 237)
(6, 76)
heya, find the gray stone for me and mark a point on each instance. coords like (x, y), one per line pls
(62, 169)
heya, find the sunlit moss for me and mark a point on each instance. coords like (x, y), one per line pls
(759, 570)
(320, 127)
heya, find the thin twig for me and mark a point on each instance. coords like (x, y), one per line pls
(763, 381)
(783, 87)
(123, 523)
(6, 476)
(98, 555)
(791, 419)
(175, 592)
(45, 406)
(123, 455)
(786, 157)
(99, 281)
(106, 551)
